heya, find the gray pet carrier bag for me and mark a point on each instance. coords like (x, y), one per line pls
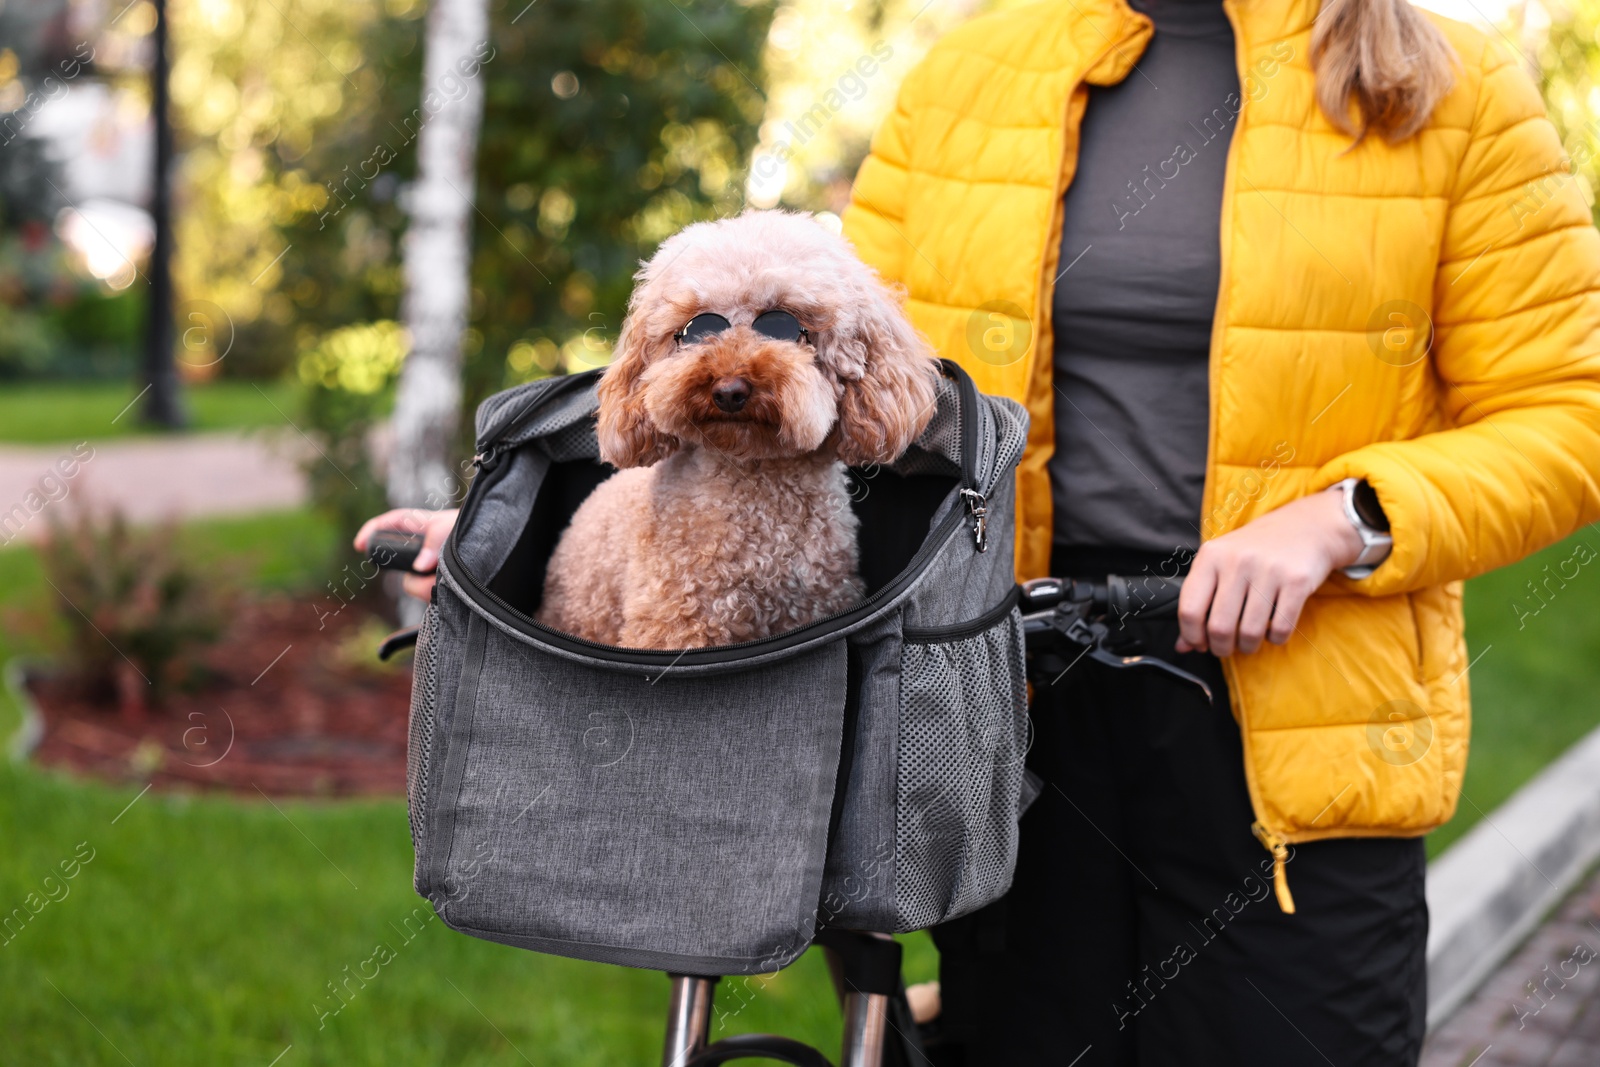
(706, 811)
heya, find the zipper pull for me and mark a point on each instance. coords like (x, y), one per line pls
(978, 508)
(486, 459)
(1280, 858)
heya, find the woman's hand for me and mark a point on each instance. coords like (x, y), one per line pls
(1253, 582)
(433, 525)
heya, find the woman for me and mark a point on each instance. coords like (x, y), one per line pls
(1305, 303)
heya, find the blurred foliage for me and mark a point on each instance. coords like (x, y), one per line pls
(54, 321)
(134, 605)
(834, 69)
(271, 102)
(24, 343)
(347, 377)
(1569, 63)
(51, 319)
(608, 124)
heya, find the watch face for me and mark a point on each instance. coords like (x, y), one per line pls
(1364, 499)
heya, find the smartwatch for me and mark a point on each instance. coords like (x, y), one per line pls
(1361, 507)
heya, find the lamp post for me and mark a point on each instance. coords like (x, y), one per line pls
(162, 405)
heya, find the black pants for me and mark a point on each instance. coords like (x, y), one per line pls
(1142, 927)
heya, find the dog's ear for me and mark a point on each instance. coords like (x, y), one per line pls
(628, 436)
(888, 404)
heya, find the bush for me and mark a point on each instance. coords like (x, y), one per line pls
(347, 377)
(24, 343)
(136, 609)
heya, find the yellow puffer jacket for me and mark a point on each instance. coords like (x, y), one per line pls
(1481, 435)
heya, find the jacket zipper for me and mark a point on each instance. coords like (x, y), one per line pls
(1279, 848)
(1273, 842)
(485, 598)
(1052, 248)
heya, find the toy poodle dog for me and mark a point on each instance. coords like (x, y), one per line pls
(759, 357)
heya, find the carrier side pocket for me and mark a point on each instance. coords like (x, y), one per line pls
(441, 814)
(963, 737)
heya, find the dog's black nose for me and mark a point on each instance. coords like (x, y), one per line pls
(731, 394)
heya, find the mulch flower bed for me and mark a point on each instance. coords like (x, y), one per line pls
(281, 706)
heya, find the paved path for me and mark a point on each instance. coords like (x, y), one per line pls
(150, 478)
(1542, 1007)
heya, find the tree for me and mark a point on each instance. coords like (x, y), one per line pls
(438, 252)
(608, 125)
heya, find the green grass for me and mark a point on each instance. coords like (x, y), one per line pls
(1535, 680)
(38, 413)
(205, 930)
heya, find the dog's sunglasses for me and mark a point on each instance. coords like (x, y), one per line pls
(776, 324)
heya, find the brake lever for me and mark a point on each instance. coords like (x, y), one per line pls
(1070, 620)
(1111, 659)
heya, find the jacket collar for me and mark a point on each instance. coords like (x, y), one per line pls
(1112, 36)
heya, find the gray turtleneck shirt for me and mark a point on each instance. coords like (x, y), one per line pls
(1139, 272)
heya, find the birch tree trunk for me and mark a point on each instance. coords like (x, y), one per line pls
(438, 255)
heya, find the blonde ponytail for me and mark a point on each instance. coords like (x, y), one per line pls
(1387, 55)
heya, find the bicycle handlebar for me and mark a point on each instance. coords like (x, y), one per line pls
(1070, 612)
(394, 550)
(1145, 596)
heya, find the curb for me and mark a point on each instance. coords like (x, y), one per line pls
(30, 731)
(1492, 888)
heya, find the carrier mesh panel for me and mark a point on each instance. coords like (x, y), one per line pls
(1013, 435)
(424, 693)
(574, 442)
(963, 727)
(547, 416)
(938, 448)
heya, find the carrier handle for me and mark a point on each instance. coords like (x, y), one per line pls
(398, 640)
(394, 550)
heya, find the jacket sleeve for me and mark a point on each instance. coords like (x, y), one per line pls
(1516, 356)
(874, 221)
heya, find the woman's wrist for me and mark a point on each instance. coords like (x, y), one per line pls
(1344, 543)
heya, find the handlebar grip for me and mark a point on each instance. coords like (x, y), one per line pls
(394, 550)
(1146, 596)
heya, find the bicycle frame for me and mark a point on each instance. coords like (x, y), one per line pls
(866, 975)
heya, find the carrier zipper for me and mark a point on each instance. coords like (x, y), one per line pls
(1280, 859)
(521, 622)
(517, 620)
(978, 509)
(971, 494)
(931, 635)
